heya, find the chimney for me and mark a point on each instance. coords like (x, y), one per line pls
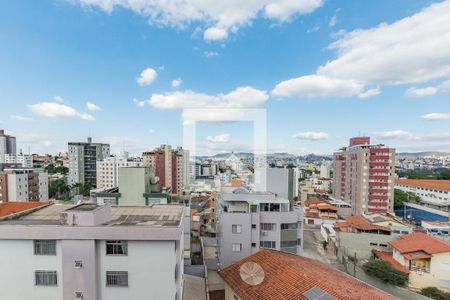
(89, 139)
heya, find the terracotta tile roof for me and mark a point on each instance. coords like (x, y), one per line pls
(326, 206)
(9, 208)
(314, 200)
(289, 276)
(420, 241)
(358, 222)
(426, 183)
(387, 256)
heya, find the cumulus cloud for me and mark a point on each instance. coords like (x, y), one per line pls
(370, 93)
(333, 21)
(312, 86)
(415, 92)
(92, 107)
(241, 97)
(220, 138)
(311, 135)
(209, 54)
(219, 17)
(177, 82)
(21, 118)
(395, 134)
(139, 103)
(147, 76)
(436, 117)
(58, 99)
(57, 110)
(409, 51)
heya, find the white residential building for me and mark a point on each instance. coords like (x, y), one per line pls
(93, 252)
(108, 170)
(431, 192)
(23, 185)
(248, 221)
(26, 160)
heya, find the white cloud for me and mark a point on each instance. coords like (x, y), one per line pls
(220, 17)
(91, 106)
(211, 115)
(415, 92)
(215, 34)
(56, 110)
(209, 54)
(177, 82)
(395, 134)
(436, 117)
(220, 138)
(147, 76)
(311, 135)
(21, 118)
(411, 50)
(370, 93)
(151, 130)
(139, 103)
(333, 21)
(241, 97)
(317, 86)
(313, 29)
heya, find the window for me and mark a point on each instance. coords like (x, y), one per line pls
(289, 226)
(236, 247)
(267, 244)
(44, 247)
(253, 226)
(299, 242)
(236, 228)
(268, 226)
(116, 247)
(253, 244)
(45, 278)
(373, 244)
(116, 278)
(253, 208)
(78, 264)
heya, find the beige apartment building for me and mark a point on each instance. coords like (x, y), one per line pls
(364, 176)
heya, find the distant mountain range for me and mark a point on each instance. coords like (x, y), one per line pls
(422, 154)
(282, 156)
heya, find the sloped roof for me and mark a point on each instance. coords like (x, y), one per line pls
(289, 276)
(360, 223)
(9, 208)
(426, 183)
(420, 241)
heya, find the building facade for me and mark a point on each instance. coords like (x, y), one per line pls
(83, 159)
(23, 185)
(364, 176)
(283, 182)
(169, 165)
(431, 192)
(7, 145)
(93, 252)
(24, 160)
(108, 170)
(247, 222)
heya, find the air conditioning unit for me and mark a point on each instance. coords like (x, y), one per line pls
(264, 233)
(78, 264)
(79, 295)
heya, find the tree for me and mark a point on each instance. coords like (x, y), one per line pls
(444, 175)
(401, 197)
(435, 293)
(387, 273)
(58, 189)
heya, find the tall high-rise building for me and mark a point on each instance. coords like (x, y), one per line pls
(169, 165)
(83, 159)
(7, 145)
(108, 170)
(364, 176)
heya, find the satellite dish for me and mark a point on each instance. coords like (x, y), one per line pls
(252, 273)
(155, 180)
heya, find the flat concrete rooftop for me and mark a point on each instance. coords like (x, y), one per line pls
(158, 215)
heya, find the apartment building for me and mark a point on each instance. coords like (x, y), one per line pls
(93, 252)
(23, 185)
(283, 182)
(169, 165)
(83, 159)
(23, 160)
(246, 222)
(108, 170)
(435, 193)
(364, 176)
(7, 145)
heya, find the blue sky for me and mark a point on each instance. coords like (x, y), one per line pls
(323, 70)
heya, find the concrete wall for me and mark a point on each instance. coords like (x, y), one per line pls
(133, 182)
(360, 243)
(439, 275)
(18, 263)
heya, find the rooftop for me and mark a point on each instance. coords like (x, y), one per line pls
(10, 208)
(160, 215)
(419, 241)
(253, 198)
(387, 256)
(288, 276)
(359, 223)
(426, 183)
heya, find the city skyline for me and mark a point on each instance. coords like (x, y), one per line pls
(122, 74)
